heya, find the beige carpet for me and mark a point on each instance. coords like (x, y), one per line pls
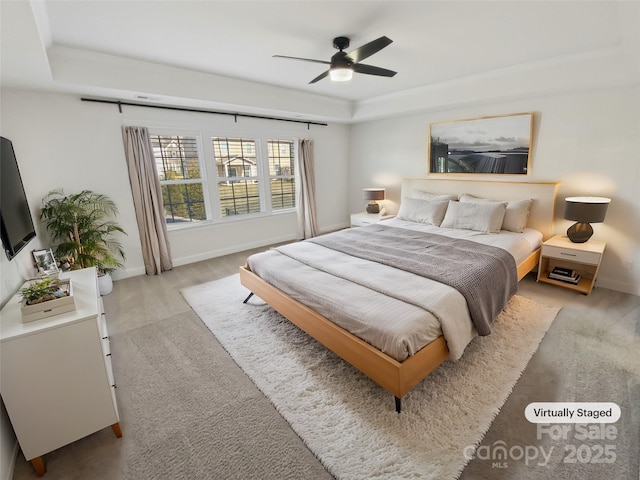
(348, 421)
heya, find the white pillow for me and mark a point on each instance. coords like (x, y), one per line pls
(484, 217)
(516, 216)
(422, 195)
(422, 211)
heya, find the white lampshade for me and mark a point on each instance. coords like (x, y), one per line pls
(341, 74)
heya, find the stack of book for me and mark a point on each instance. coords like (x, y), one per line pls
(564, 275)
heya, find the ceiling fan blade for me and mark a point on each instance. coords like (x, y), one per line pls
(303, 59)
(369, 49)
(371, 70)
(320, 77)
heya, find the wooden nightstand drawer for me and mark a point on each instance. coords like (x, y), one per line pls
(580, 256)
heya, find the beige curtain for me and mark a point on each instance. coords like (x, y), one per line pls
(147, 200)
(306, 192)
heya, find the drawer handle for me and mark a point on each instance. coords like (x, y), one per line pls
(108, 355)
(106, 338)
(568, 254)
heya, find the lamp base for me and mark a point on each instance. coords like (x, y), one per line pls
(373, 207)
(579, 232)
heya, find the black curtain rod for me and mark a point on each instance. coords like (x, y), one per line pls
(120, 103)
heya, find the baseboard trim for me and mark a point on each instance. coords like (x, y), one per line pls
(229, 250)
(618, 286)
(177, 262)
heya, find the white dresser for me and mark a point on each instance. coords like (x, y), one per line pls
(56, 377)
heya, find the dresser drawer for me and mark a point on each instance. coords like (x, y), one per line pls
(591, 258)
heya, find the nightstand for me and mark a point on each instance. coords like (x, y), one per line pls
(364, 218)
(583, 258)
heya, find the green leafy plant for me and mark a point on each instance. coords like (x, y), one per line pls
(83, 224)
(41, 291)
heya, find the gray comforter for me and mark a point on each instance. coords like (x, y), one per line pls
(486, 276)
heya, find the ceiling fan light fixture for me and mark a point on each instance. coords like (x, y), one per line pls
(341, 74)
(343, 65)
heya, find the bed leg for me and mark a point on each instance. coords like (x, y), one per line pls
(398, 404)
(247, 299)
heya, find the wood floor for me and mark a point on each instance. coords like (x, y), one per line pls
(139, 302)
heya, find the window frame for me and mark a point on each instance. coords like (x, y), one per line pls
(203, 180)
(294, 176)
(209, 176)
(259, 174)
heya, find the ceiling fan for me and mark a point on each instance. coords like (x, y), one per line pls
(342, 64)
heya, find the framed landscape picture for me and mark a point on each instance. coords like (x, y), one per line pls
(486, 145)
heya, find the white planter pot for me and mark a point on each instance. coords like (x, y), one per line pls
(105, 284)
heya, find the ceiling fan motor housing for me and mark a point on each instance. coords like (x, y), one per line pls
(341, 60)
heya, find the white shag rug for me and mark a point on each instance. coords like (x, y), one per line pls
(347, 420)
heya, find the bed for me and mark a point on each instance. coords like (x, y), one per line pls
(344, 298)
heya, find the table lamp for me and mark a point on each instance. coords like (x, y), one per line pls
(584, 210)
(373, 194)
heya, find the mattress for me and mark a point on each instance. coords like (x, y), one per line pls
(355, 294)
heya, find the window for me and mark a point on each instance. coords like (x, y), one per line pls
(237, 168)
(178, 166)
(282, 174)
(223, 178)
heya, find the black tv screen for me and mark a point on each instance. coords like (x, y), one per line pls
(15, 217)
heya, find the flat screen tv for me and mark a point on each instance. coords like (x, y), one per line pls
(15, 217)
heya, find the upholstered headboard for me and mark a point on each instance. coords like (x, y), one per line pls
(541, 215)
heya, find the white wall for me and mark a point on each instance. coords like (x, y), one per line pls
(62, 142)
(588, 141)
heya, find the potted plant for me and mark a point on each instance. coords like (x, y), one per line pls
(46, 297)
(83, 225)
(42, 291)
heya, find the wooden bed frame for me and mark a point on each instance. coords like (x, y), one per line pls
(400, 377)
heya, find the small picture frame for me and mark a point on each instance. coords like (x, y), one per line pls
(45, 262)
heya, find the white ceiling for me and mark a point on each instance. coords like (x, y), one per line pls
(194, 52)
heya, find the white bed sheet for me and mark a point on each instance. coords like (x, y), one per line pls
(520, 245)
(325, 280)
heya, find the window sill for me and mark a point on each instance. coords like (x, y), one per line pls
(230, 219)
